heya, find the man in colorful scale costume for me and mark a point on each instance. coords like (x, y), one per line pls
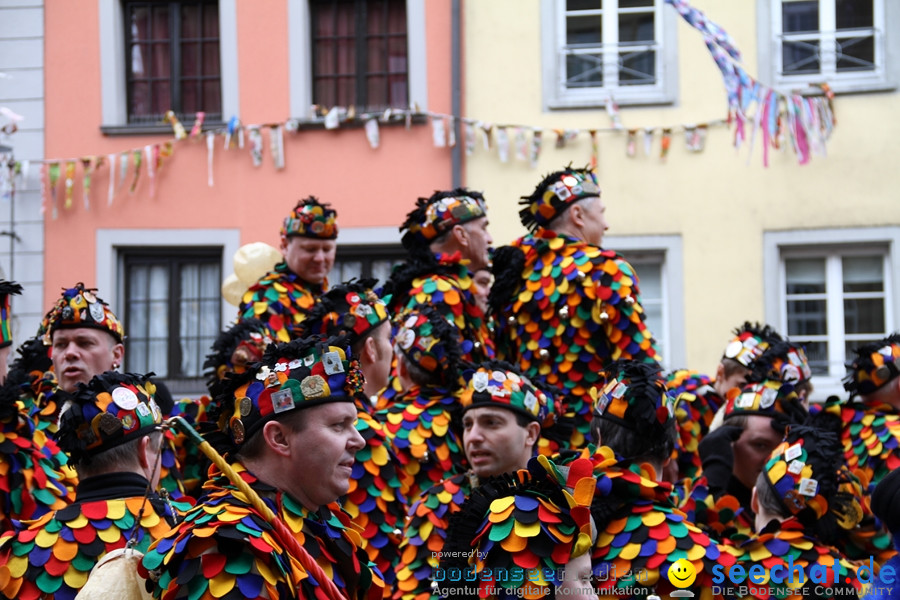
(503, 415)
(422, 422)
(375, 501)
(800, 504)
(284, 295)
(111, 430)
(447, 239)
(287, 428)
(642, 534)
(564, 306)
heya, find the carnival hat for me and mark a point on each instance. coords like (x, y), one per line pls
(875, 365)
(499, 384)
(312, 219)
(438, 214)
(296, 375)
(556, 193)
(80, 307)
(111, 409)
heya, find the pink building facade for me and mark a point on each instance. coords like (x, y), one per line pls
(159, 241)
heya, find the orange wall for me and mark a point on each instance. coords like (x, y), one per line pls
(369, 188)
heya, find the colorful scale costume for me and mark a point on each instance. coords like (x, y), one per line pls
(447, 285)
(420, 428)
(789, 541)
(33, 476)
(576, 309)
(375, 501)
(281, 300)
(516, 533)
(722, 517)
(694, 412)
(51, 557)
(642, 533)
(225, 549)
(425, 533)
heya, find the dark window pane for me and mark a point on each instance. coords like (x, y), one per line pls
(369, 261)
(817, 354)
(635, 4)
(176, 65)
(850, 14)
(160, 61)
(190, 96)
(636, 27)
(584, 4)
(357, 44)
(584, 30)
(800, 16)
(806, 317)
(638, 68)
(190, 21)
(800, 57)
(584, 70)
(805, 275)
(212, 93)
(863, 273)
(377, 55)
(864, 315)
(856, 54)
(177, 288)
(190, 59)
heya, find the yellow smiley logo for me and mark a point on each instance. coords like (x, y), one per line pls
(682, 573)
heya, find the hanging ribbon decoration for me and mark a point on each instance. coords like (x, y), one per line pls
(255, 145)
(276, 145)
(53, 178)
(137, 157)
(177, 127)
(70, 183)
(198, 124)
(87, 165)
(111, 159)
(210, 147)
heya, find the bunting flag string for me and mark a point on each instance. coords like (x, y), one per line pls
(751, 103)
(802, 123)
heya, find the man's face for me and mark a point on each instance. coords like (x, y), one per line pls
(479, 243)
(494, 441)
(80, 354)
(378, 373)
(309, 258)
(481, 287)
(752, 449)
(737, 379)
(594, 216)
(326, 447)
(576, 583)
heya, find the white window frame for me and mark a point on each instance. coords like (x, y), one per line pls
(668, 248)
(778, 245)
(553, 38)
(885, 76)
(110, 264)
(113, 93)
(300, 57)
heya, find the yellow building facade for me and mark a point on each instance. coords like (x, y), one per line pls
(716, 237)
